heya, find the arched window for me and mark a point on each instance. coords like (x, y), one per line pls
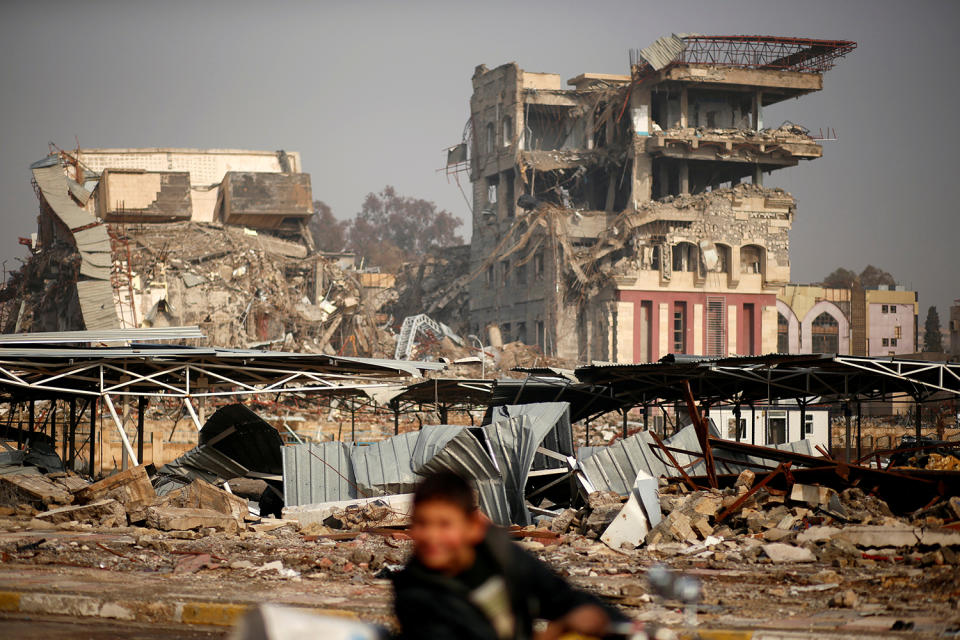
(825, 334)
(686, 257)
(783, 334)
(490, 138)
(751, 259)
(507, 131)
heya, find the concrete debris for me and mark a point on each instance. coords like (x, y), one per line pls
(203, 495)
(185, 519)
(32, 489)
(131, 488)
(104, 513)
(778, 552)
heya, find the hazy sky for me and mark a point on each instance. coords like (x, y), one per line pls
(371, 93)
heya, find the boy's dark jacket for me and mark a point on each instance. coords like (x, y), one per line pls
(432, 605)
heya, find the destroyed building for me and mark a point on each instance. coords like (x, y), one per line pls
(133, 238)
(611, 220)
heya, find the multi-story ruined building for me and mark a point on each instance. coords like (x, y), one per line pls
(625, 218)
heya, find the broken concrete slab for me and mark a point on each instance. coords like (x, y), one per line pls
(131, 488)
(400, 504)
(200, 494)
(185, 519)
(817, 534)
(879, 536)
(641, 512)
(106, 513)
(779, 552)
(33, 489)
(940, 537)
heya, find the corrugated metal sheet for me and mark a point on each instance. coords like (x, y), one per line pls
(386, 467)
(240, 434)
(432, 439)
(465, 455)
(53, 185)
(94, 239)
(96, 304)
(119, 335)
(315, 473)
(663, 51)
(615, 468)
(559, 436)
(200, 462)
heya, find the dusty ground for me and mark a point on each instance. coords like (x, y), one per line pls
(741, 589)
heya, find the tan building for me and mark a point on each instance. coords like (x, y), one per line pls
(612, 220)
(866, 322)
(126, 181)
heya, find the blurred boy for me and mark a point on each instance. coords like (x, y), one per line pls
(468, 581)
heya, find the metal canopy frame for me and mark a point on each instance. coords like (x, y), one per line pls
(165, 371)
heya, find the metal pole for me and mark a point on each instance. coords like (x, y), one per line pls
(53, 424)
(119, 424)
(141, 410)
(33, 411)
(917, 423)
(625, 422)
(353, 424)
(587, 434)
(736, 421)
(830, 432)
(396, 420)
(646, 417)
(93, 434)
(846, 415)
(803, 419)
(859, 450)
(753, 424)
(70, 442)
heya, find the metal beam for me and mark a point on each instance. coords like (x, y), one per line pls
(123, 434)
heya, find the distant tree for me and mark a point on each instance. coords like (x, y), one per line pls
(872, 277)
(391, 228)
(840, 279)
(931, 332)
(329, 234)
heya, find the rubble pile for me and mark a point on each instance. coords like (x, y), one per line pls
(247, 288)
(437, 286)
(363, 516)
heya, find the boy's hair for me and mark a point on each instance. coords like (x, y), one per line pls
(447, 487)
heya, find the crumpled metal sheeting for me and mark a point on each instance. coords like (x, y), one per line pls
(318, 472)
(514, 446)
(386, 467)
(558, 438)
(432, 439)
(615, 468)
(465, 455)
(202, 462)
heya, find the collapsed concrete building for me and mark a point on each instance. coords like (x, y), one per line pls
(611, 220)
(132, 238)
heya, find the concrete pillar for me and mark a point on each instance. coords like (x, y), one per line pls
(664, 179)
(757, 115)
(684, 108)
(642, 174)
(757, 175)
(685, 178)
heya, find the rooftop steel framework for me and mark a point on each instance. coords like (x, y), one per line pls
(764, 52)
